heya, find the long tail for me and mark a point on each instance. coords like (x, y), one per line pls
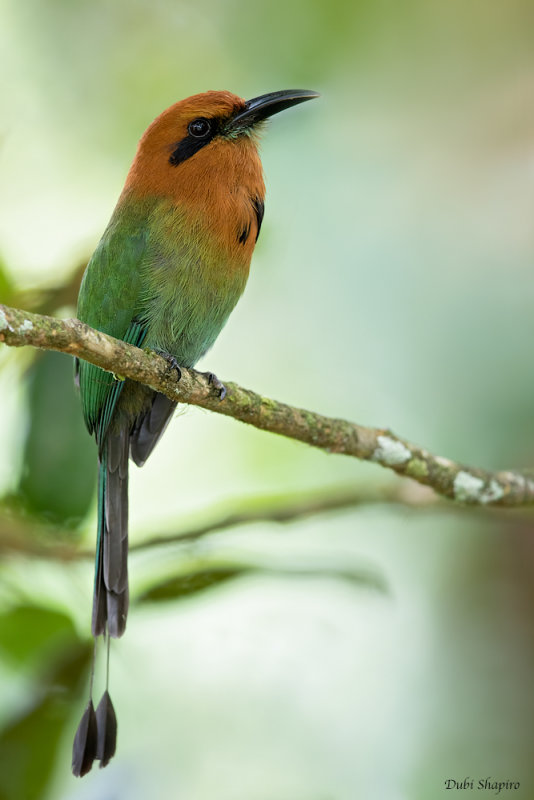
(110, 597)
(97, 732)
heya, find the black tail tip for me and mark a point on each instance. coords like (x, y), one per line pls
(96, 737)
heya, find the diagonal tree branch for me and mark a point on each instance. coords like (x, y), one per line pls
(448, 478)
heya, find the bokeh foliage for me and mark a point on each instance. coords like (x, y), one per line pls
(392, 285)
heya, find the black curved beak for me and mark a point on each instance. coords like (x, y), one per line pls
(264, 106)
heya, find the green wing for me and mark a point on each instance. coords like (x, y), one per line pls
(109, 301)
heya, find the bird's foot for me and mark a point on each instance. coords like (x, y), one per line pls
(216, 383)
(172, 361)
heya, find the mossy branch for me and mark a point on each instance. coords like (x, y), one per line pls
(464, 484)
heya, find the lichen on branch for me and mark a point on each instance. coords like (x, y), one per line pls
(464, 484)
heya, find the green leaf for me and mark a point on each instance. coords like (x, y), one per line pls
(28, 633)
(29, 743)
(59, 475)
(193, 582)
(199, 579)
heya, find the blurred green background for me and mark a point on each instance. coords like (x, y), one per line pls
(392, 285)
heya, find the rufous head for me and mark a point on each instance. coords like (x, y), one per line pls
(207, 137)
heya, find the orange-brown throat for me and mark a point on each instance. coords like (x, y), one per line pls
(220, 183)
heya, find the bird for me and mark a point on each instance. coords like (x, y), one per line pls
(166, 274)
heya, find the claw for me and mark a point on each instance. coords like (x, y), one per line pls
(172, 361)
(216, 383)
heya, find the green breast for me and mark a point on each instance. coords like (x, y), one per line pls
(190, 285)
(165, 274)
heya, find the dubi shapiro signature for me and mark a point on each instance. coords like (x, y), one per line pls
(482, 784)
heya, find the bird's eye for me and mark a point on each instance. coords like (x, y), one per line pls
(199, 128)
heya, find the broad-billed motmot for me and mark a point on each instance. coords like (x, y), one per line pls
(166, 274)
